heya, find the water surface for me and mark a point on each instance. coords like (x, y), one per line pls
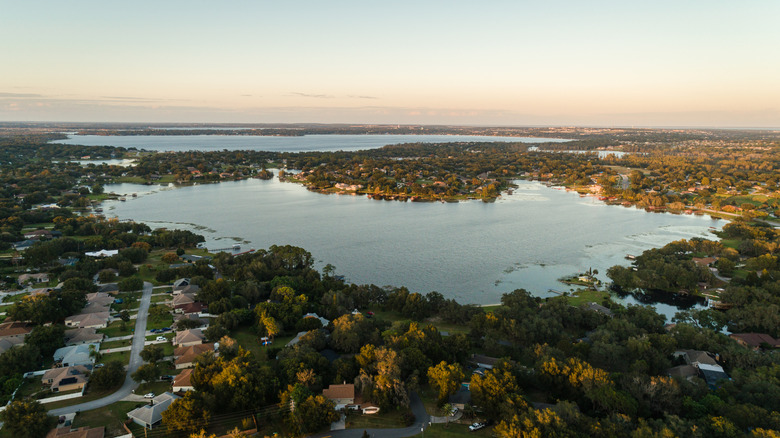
(471, 251)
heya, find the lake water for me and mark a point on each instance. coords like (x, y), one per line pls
(278, 144)
(471, 251)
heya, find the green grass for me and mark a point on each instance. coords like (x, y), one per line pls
(130, 179)
(583, 296)
(247, 339)
(116, 344)
(382, 420)
(115, 329)
(161, 298)
(14, 298)
(492, 308)
(154, 323)
(91, 395)
(156, 387)
(731, 243)
(111, 417)
(120, 356)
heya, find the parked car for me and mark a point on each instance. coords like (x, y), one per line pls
(162, 338)
(477, 426)
(155, 331)
(166, 377)
(98, 365)
(165, 329)
(454, 410)
(149, 395)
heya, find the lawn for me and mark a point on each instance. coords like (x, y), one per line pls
(156, 387)
(383, 420)
(111, 417)
(115, 329)
(161, 298)
(583, 296)
(391, 316)
(122, 357)
(14, 298)
(246, 338)
(158, 323)
(90, 395)
(116, 344)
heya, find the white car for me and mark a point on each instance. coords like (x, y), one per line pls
(454, 410)
(162, 338)
(476, 426)
(149, 395)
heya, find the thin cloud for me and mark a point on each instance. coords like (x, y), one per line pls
(20, 95)
(363, 97)
(315, 96)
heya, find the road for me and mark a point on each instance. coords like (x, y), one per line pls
(421, 421)
(139, 337)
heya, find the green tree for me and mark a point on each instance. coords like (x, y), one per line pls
(148, 372)
(27, 419)
(108, 377)
(152, 353)
(446, 379)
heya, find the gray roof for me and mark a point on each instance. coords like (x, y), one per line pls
(152, 414)
(75, 354)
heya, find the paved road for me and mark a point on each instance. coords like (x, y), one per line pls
(135, 361)
(421, 421)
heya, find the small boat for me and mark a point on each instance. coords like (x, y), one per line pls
(123, 199)
(237, 246)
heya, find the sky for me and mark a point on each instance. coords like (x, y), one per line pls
(513, 63)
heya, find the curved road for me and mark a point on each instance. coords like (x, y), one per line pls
(421, 421)
(139, 337)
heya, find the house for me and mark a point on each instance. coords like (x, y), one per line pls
(6, 345)
(66, 379)
(81, 432)
(185, 356)
(706, 366)
(109, 288)
(42, 234)
(482, 361)
(15, 331)
(186, 338)
(296, 339)
(95, 308)
(150, 415)
(755, 340)
(100, 298)
(76, 354)
(33, 278)
(88, 320)
(341, 395)
(195, 308)
(102, 253)
(323, 321)
(594, 307)
(23, 245)
(191, 290)
(183, 381)
(188, 317)
(182, 299)
(461, 398)
(45, 291)
(82, 336)
(180, 284)
(704, 261)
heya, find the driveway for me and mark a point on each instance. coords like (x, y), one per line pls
(129, 385)
(421, 421)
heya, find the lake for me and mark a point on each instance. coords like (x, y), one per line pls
(305, 143)
(471, 251)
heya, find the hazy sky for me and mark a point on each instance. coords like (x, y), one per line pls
(650, 63)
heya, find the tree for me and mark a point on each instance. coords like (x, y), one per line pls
(152, 353)
(131, 284)
(446, 379)
(109, 376)
(47, 338)
(124, 316)
(169, 258)
(148, 372)
(27, 419)
(187, 414)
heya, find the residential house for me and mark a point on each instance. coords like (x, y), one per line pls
(183, 381)
(182, 299)
(150, 415)
(323, 321)
(342, 395)
(95, 308)
(33, 278)
(15, 331)
(180, 284)
(76, 354)
(81, 432)
(6, 345)
(42, 234)
(482, 361)
(100, 298)
(186, 338)
(195, 308)
(185, 356)
(82, 336)
(188, 317)
(66, 379)
(755, 340)
(88, 320)
(705, 364)
(461, 398)
(598, 308)
(109, 288)
(102, 253)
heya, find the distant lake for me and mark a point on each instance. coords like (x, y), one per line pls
(471, 251)
(279, 144)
